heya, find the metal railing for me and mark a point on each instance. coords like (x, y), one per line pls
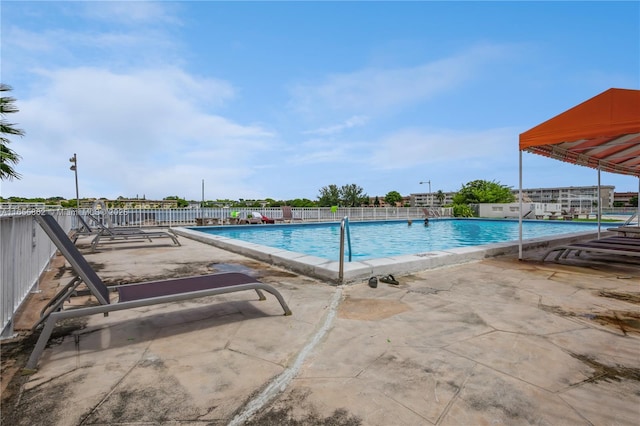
(25, 251)
(344, 232)
(188, 216)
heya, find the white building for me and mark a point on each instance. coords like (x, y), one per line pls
(512, 210)
(430, 199)
(582, 199)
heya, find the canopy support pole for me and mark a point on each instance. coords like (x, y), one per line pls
(599, 202)
(520, 209)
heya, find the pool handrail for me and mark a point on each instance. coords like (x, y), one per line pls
(344, 227)
(631, 218)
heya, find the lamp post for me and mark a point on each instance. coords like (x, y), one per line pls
(74, 167)
(430, 200)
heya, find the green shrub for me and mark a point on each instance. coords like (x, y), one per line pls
(462, 210)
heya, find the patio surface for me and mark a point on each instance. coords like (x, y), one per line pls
(491, 342)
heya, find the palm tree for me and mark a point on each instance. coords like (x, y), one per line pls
(8, 157)
(440, 197)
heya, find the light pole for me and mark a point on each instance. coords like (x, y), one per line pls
(74, 167)
(430, 200)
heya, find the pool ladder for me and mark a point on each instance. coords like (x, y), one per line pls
(344, 229)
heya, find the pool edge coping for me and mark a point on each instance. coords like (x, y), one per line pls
(326, 269)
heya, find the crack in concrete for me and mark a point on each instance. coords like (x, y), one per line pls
(279, 384)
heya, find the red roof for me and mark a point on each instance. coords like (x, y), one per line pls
(604, 131)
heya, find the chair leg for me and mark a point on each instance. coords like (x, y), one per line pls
(261, 295)
(32, 363)
(58, 300)
(95, 242)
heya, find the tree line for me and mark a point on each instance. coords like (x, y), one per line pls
(350, 195)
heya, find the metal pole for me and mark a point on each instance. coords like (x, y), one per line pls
(520, 208)
(74, 167)
(77, 192)
(202, 205)
(430, 196)
(344, 226)
(599, 202)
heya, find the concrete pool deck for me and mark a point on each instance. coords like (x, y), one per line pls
(490, 341)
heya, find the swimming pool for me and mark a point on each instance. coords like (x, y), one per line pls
(370, 240)
(387, 245)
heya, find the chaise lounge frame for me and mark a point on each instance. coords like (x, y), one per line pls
(125, 234)
(623, 246)
(130, 295)
(85, 229)
(627, 230)
(287, 215)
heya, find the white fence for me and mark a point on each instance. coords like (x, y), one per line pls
(25, 251)
(188, 216)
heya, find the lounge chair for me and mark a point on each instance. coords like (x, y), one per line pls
(117, 229)
(132, 234)
(626, 230)
(619, 240)
(287, 215)
(257, 217)
(83, 229)
(622, 246)
(86, 229)
(569, 215)
(130, 295)
(206, 221)
(251, 219)
(266, 219)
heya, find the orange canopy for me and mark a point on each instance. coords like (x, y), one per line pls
(602, 131)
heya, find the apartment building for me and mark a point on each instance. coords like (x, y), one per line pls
(623, 199)
(578, 198)
(430, 199)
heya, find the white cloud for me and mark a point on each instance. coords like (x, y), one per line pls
(374, 90)
(128, 32)
(355, 121)
(26, 40)
(319, 154)
(131, 12)
(149, 131)
(412, 147)
(155, 104)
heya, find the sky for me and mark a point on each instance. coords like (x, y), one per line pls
(256, 100)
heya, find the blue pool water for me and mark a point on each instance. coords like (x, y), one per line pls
(392, 238)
